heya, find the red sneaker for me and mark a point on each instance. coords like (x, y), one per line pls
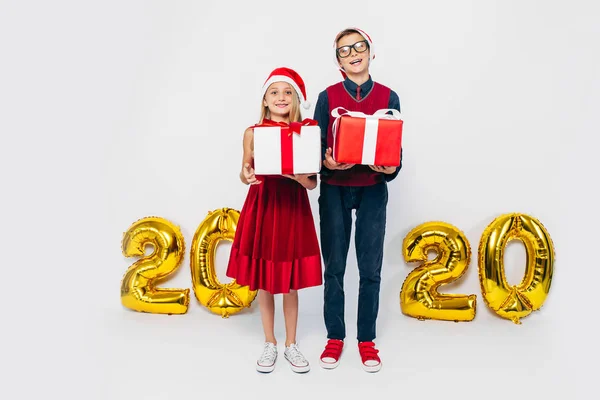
(330, 358)
(368, 353)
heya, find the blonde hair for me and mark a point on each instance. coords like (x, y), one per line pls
(295, 115)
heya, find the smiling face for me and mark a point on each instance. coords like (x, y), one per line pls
(356, 63)
(280, 99)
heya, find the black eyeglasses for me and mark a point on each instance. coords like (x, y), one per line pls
(359, 47)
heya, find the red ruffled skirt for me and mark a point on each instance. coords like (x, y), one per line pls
(276, 247)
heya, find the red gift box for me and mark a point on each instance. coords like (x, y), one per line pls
(360, 138)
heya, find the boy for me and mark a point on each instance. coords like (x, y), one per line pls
(345, 187)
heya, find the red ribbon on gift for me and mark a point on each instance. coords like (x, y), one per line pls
(287, 140)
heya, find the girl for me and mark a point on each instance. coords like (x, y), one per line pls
(275, 249)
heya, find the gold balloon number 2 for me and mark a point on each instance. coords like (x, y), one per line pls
(138, 291)
(138, 286)
(419, 297)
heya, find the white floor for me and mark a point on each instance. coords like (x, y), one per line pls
(113, 353)
(152, 357)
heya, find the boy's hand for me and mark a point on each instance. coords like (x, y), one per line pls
(248, 172)
(384, 170)
(330, 163)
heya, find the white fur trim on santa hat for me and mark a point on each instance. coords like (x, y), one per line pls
(287, 79)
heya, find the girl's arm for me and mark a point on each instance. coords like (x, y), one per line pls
(247, 173)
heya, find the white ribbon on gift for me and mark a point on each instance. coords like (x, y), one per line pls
(371, 128)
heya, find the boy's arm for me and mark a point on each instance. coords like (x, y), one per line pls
(322, 117)
(394, 103)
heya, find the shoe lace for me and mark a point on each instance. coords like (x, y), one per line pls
(295, 355)
(333, 348)
(269, 353)
(368, 351)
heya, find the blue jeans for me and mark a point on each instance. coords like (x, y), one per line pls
(335, 210)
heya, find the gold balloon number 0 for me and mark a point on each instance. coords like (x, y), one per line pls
(138, 286)
(419, 297)
(223, 299)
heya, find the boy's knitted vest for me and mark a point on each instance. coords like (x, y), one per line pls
(376, 99)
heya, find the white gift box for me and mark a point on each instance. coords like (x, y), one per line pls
(294, 149)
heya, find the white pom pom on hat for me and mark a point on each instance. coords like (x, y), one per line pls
(290, 76)
(364, 35)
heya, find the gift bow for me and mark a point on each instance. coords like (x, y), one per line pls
(293, 127)
(379, 114)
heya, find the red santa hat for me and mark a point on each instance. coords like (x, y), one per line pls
(364, 35)
(290, 76)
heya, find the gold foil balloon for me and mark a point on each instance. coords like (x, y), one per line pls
(419, 297)
(138, 291)
(222, 299)
(515, 302)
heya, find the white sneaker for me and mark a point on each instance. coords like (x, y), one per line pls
(297, 361)
(266, 362)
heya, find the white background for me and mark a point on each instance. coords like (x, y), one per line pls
(116, 110)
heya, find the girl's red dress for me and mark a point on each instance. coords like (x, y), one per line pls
(276, 247)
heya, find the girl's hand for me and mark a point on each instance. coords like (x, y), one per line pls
(384, 170)
(249, 175)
